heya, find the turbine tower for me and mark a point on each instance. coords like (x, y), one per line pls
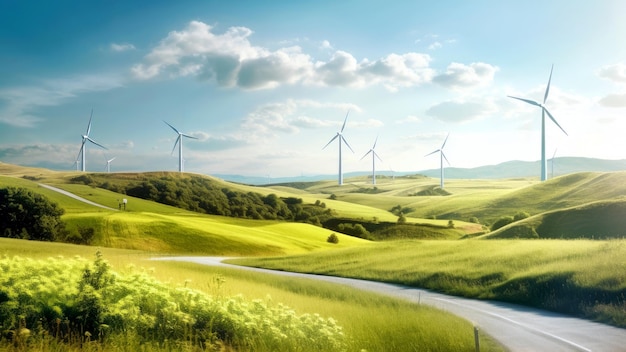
(441, 157)
(83, 147)
(374, 156)
(342, 139)
(179, 141)
(544, 111)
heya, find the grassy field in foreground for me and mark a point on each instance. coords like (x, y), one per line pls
(370, 322)
(583, 277)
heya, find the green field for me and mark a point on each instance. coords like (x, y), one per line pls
(574, 263)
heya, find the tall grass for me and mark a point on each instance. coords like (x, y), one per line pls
(369, 321)
(583, 277)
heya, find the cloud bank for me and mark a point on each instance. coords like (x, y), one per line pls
(231, 60)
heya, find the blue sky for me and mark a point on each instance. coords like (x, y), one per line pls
(263, 86)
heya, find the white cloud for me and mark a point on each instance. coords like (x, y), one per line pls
(460, 110)
(22, 102)
(615, 73)
(435, 45)
(614, 101)
(460, 76)
(121, 47)
(326, 45)
(231, 60)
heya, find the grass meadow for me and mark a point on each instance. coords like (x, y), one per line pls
(571, 274)
(370, 322)
(581, 277)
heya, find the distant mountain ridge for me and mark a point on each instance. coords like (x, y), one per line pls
(508, 169)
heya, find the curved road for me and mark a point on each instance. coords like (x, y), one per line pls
(517, 327)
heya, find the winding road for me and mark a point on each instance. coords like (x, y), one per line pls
(518, 328)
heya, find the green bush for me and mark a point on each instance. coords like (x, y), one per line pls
(28, 215)
(332, 238)
(501, 222)
(74, 301)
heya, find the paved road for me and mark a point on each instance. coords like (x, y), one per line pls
(517, 327)
(75, 196)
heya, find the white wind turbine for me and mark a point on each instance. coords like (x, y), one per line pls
(374, 156)
(83, 147)
(544, 111)
(552, 164)
(108, 168)
(441, 157)
(179, 141)
(341, 138)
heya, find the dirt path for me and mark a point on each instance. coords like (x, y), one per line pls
(75, 196)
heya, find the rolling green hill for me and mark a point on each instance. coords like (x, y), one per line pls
(425, 207)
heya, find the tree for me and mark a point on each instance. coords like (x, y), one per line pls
(520, 215)
(28, 215)
(503, 221)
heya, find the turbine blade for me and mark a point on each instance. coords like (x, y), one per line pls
(175, 143)
(188, 136)
(532, 102)
(432, 152)
(335, 137)
(343, 139)
(89, 124)
(444, 142)
(96, 143)
(108, 161)
(554, 120)
(376, 155)
(344, 121)
(545, 97)
(444, 156)
(175, 130)
(366, 154)
(375, 141)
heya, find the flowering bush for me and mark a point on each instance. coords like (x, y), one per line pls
(73, 300)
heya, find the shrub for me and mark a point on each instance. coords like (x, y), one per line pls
(474, 220)
(501, 222)
(73, 301)
(332, 238)
(520, 215)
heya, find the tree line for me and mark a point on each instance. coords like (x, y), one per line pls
(206, 196)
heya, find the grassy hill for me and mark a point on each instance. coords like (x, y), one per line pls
(427, 208)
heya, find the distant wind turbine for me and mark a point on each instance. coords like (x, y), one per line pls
(83, 146)
(441, 157)
(179, 141)
(544, 111)
(108, 168)
(342, 139)
(374, 156)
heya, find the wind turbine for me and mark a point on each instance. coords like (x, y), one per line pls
(83, 147)
(108, 168)
(374, 156)
(552, 164)
(342, 139)
(544, 111)
(179, 141)
(441, 157)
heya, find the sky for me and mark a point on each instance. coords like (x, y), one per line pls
(263, 86)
